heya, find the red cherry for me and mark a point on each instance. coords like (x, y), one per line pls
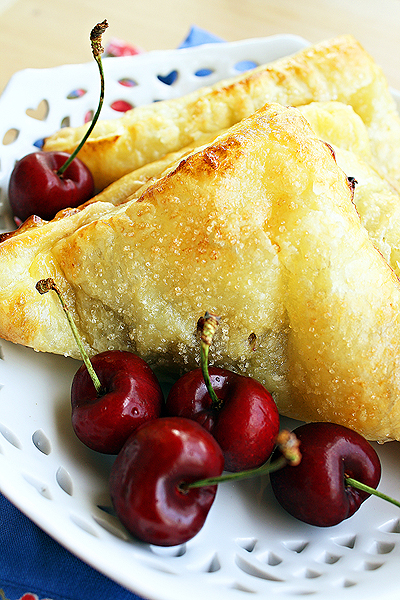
(111, 394)
(43, 183)
(316, 491)
(131, 395)
(35, 188)
(148, 476)
(245, 423)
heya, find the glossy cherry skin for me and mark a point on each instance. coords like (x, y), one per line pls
(246, 424)
(36, 189)
(146, 479)
(315, 491)
(132, 396)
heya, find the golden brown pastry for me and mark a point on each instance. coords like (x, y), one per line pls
(334, 122)
(338, 69)
(126, 186)
(376, 198)
(339, 125)
(258, 227)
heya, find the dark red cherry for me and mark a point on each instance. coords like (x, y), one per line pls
(130, 396)
(147, 482)
(317, 491)
(43, 183)
(244, 421)
(35, 188)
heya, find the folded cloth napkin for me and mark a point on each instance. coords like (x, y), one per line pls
(32, 565)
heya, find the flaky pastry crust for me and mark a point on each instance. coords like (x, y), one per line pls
(376, 197)
(258, 227)
(337, 69)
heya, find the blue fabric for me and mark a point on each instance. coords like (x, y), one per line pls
(31, 562)
(198, 36)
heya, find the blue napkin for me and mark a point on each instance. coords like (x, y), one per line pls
(31, 562)
(198, 36)
(32, 565)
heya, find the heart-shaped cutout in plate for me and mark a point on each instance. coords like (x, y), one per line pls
(40, 113)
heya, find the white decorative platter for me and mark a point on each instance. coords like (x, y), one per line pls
(249, 546)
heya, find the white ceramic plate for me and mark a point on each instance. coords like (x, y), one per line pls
(248, 544)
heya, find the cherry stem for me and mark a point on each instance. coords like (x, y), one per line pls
(370, 490)
(216, 402)
(208, 325)
(45, 285)
(287, 443)
(97, 50)
(268, 467)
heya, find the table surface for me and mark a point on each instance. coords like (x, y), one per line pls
(40, 33)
